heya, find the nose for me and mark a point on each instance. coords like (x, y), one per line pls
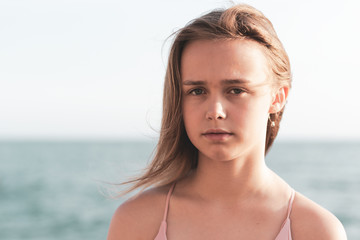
(216, 111)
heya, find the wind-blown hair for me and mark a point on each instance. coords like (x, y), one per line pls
(175, 155)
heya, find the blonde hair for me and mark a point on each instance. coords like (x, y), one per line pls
(175, 155)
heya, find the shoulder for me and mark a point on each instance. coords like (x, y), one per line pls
(311, 221)
(140, 216)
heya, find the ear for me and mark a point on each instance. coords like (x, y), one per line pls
(279, 100)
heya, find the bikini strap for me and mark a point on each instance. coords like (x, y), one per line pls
(291, 202)
(168, 200)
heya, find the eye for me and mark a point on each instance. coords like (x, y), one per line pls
(236, 91)
(196, 91)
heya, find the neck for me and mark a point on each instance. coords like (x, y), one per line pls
(230, 180)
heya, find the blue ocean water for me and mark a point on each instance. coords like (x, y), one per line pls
(55, 190)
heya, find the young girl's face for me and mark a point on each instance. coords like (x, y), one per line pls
(227, 95)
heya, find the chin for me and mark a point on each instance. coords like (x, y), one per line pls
(217, 155)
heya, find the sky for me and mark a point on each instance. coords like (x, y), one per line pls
(86, 69)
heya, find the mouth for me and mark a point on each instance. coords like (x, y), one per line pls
(217, 134)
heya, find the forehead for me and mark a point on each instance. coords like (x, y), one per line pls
(212, 60)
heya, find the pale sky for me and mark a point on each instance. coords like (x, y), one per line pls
(86, 69)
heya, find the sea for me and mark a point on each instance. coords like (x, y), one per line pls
(66, 190)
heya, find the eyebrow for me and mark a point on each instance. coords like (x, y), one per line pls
(223, 82)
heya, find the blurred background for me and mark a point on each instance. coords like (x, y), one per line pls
(80, 104)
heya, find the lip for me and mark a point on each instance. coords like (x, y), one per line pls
(217, 134)
(216, 130)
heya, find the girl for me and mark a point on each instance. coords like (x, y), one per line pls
(226, 86)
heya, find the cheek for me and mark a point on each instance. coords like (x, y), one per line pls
(189, 116)
(251, 115)
(260, 117)
(193, 120)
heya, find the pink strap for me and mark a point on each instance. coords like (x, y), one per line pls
(290, 203)
(168, 200)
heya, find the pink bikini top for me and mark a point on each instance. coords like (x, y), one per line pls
(284, 234)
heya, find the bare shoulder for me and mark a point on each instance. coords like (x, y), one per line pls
(311, 221)
(140, 216)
